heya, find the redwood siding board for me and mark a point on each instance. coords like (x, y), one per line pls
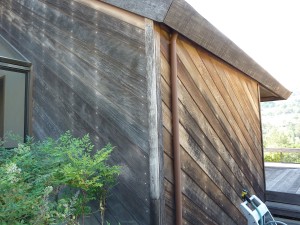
(90, 77)
(252, 131)
(213, 129)
(249, 136)
(246, 128)
(215, 103)
(223, 118)
(219, 135)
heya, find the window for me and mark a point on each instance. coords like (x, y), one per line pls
(14, 93)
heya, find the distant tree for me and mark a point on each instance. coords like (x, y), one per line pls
(277, 139)
(281, 122)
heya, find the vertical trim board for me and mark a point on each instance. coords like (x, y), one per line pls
(154, 120)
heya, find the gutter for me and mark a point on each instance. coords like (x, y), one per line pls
(175, 130)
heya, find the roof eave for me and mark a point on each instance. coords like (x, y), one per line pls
(182, 17)
(186, 20)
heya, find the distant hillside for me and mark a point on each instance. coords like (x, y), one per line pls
(281, 122)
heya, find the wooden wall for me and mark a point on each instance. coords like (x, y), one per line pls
(220, 135)
(91, 75)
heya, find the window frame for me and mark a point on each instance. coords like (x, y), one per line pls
(14, 65)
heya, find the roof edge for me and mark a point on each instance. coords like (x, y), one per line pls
(183, 18)
(152, 9)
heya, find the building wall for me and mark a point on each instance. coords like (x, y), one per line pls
(94, 73)
(220, 135)
(2, 85)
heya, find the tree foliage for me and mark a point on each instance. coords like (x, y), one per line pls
(281, 128)
(281, 123)
(51, 182)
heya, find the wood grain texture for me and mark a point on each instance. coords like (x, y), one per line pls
(153, 9)
(220, 146)
(152, 39)
(169, 12)
(94, 73)
(219, 131)
(187, 21)
(112, 11)
(212, 95)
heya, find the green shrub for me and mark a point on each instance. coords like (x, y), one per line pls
(51, 182)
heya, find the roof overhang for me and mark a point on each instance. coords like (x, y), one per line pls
(182, 17)
(11, 59)
(186, 20)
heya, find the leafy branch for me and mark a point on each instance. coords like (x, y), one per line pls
(35, 175)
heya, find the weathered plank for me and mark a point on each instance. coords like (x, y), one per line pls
(184, 18)
(165, 35)
(169, 190)
(248, 138)
(219, 199)
(170, 215)
(251, 90)
(211, 106)
(105, 54)
(205, 164)
(170, 210)
(153, 9)
(109, 52)
(243, 101)
(255, 135)
(91, 76)
(114, 12)
(213, 130)
(134, 169)
(156, 159)
(210, 188)
(203, 202)
(219, 157)
(68, 75)
(193, 215)
(218, 93)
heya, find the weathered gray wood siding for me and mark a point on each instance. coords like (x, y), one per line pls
(91, 68)
(153, 9)
(219, 135)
